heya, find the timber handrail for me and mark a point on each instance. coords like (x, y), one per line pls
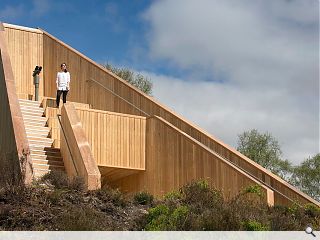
(101, 85)
(70, 152)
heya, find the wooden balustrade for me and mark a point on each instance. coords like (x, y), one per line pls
(75, 149)
(117, 140)
(15, 160)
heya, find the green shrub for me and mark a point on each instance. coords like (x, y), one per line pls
(108, 194)
(143, 198)
(199, 197)
(178, 218)
(254, 189)
(157, 218)
(173, 195)
(254, 226)
(162, 218)
(312, 210)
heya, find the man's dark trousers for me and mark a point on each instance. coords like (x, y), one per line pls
(64, 96)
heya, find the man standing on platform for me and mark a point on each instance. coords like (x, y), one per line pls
(63, 84)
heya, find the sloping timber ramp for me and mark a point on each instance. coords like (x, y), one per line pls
(136, 143)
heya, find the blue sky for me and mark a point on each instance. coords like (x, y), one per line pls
(111, 31)
(227, 66)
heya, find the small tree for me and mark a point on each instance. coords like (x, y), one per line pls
(306, 176)
(265, 150)
(136, 79)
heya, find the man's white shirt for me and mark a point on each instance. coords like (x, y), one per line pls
(63, 78)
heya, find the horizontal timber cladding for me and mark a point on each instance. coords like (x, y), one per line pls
(174, 159)
(92, 84)
(116, 140)
(25, 50)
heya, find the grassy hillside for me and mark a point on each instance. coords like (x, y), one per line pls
(54, 203)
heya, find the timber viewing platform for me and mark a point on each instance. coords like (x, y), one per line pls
(109, 132)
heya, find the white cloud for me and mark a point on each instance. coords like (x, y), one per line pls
(40, 7)
(266, 53)
(113, 17)
(9, 13)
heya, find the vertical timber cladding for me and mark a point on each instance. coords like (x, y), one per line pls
(175, 159)
(25, 47)
(116, 140)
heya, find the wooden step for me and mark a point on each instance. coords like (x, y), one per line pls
(45, 149)
(37, 134)
(36, 144)
(46, 157)
(43, 155)
(47, 162)
(31, 108)
(36, 128)
(28, 101)
(24, 102)
(40, 139)
(48, 153)
(31, 118)
(31, 112)
(38, 173)
(35, 123)
(47, 167)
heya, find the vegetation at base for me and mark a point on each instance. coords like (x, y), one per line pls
(55, 204)
(59, 204)
(143, 198)
(254, 189)
(136, 79)
(254, 226)
(197, 207)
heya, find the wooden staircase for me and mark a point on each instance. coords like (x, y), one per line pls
(44, 157)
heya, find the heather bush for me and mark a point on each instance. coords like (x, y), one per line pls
(254, 226)
(60, 180)
(143, 198)
(197, 207)
(80, 219)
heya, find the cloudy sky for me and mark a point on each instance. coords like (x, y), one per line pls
(228, 66)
